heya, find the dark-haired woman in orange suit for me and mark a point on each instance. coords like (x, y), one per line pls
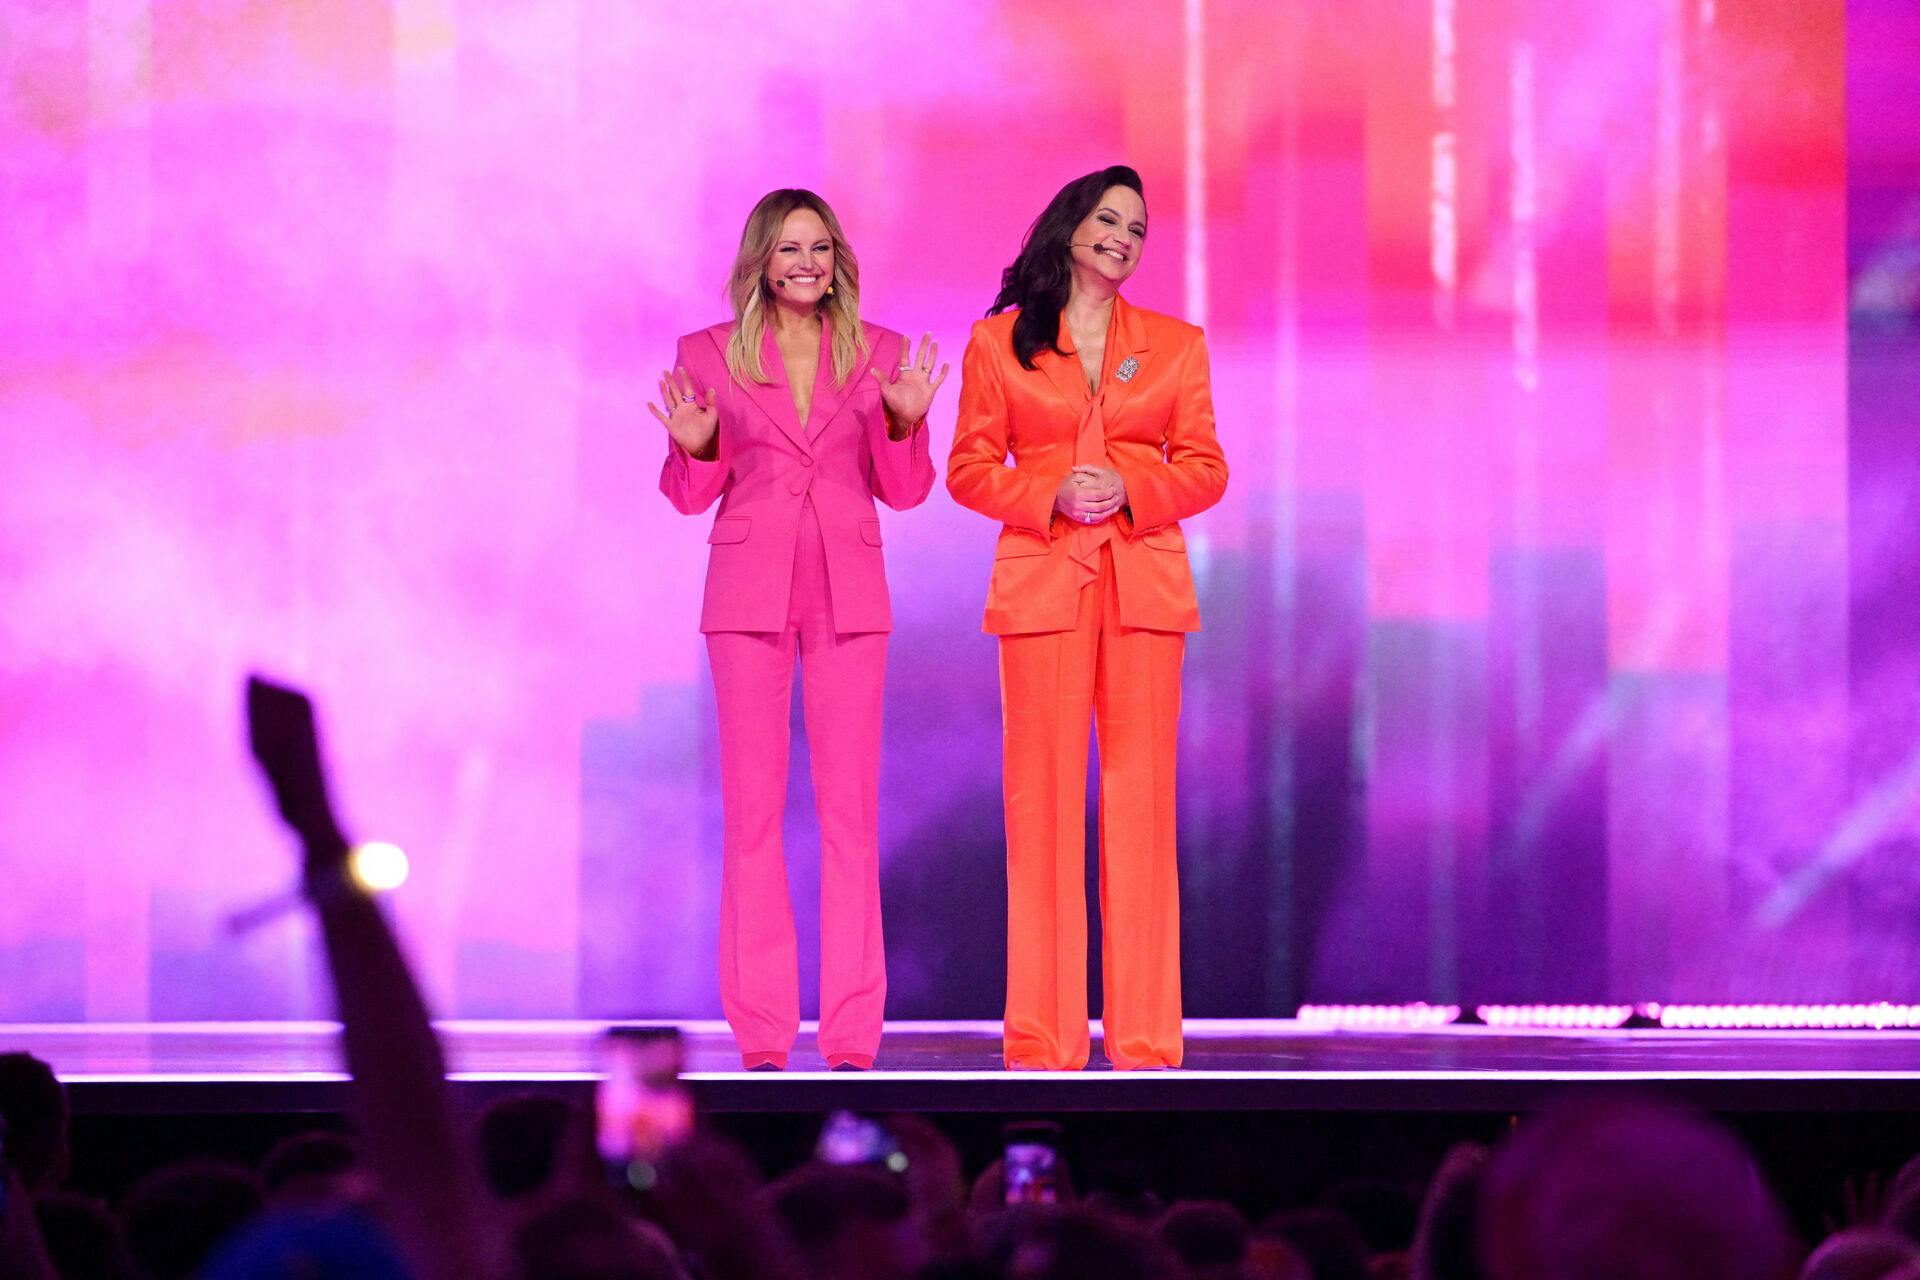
(1107, 413)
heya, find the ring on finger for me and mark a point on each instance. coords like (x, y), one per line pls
(689, 399)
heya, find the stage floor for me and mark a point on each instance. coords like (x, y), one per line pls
(200, 1068)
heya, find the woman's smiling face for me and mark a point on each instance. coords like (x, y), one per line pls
(1109, 239)
(800, 268)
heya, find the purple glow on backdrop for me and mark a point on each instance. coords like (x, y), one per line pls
(1553, 649)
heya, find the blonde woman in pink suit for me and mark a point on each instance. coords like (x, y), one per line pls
(796, 416)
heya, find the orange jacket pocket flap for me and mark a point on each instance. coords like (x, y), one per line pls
(1166, 538)
(730, 529)
(1018, 542)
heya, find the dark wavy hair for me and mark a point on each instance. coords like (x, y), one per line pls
(1038, 280)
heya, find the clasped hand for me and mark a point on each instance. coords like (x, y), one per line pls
(1090, 494)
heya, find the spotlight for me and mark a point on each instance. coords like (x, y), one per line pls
(377, 866)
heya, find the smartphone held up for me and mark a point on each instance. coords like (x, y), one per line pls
(642, 1106)
(1031, 1162)
(852, 1139)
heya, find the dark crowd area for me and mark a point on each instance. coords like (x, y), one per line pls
(1602, 1187)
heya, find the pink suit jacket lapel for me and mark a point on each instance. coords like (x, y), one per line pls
(828, 396)
(771, 398)
(774, 399)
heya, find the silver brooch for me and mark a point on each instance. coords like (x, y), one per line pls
(1127, 369)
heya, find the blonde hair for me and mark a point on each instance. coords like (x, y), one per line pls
(747, 287)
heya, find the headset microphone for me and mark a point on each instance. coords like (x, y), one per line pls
(779, 284)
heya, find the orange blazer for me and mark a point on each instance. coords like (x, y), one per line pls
(1159, 427)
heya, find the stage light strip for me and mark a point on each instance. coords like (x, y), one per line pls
(204, 1077)
(1196, 162)
(1092, 1079)
(1669, 166)
(1114, 1078)
(1879, 1016)
(206, 1027)
(1572, 1017)
(1860, 1017)
(1444, 223)
(1523, 209)
(1361, 1017)
(1882, 1020)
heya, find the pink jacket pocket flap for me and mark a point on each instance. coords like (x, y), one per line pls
(870, 532)
(730, 529)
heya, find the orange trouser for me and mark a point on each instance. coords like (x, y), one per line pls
(1126, 681)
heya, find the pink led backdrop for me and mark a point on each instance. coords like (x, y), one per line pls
(325, 329)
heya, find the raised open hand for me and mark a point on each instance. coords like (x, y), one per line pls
(281, 733)
(909, 392)
(689, 414)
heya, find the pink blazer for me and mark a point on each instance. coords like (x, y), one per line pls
(769, 463)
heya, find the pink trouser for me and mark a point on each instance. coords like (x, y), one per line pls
(841, 679)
